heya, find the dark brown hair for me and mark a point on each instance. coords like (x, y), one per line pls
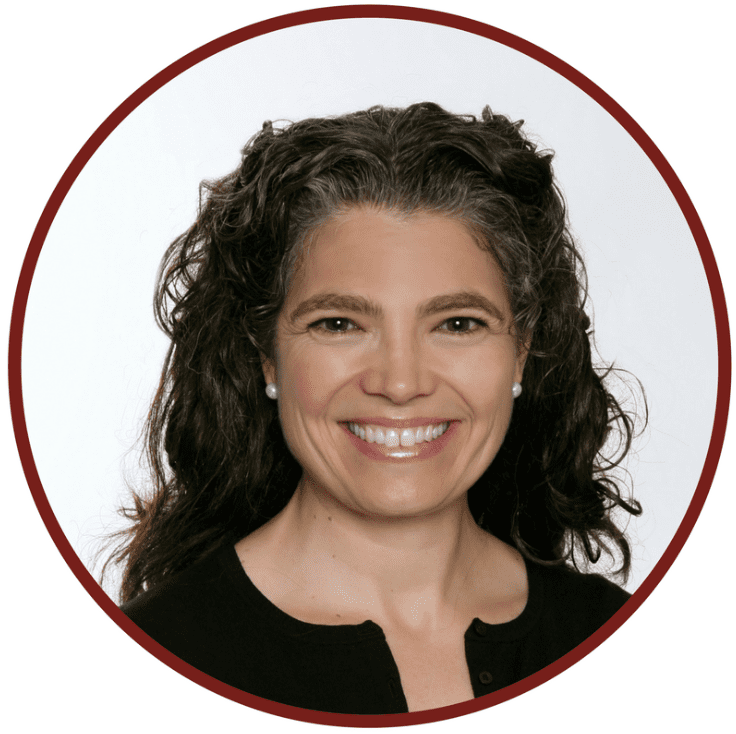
(220, 466)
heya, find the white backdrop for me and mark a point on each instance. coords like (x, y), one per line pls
(653, 312)
(91, 353)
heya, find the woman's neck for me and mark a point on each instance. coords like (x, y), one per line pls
(322, 562)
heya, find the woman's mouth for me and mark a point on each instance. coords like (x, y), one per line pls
(395, 437)
(399, 443)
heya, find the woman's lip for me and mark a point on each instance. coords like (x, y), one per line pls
(419, 452)
(399, 423)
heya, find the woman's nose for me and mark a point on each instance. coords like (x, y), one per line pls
(399, 371)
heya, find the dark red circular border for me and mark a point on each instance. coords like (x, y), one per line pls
(398, 13)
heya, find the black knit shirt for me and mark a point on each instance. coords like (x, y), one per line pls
(214, 618)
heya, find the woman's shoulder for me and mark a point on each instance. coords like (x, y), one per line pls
(564, 608)
(204, 616)
(580, 601)
(195, 597)
(564, 581)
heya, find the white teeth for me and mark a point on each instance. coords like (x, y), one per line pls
(392, 438)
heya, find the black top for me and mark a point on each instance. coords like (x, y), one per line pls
(214, 618)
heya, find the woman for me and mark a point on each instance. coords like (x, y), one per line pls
(377, 441)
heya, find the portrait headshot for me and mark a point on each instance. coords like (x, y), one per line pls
(366, 384)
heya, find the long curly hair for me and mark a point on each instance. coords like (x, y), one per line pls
(219, 463)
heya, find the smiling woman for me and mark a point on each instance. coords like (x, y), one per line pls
(377, 446)
(398, 328)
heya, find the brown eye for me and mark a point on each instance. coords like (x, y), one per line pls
(461, 325)
(334, 325)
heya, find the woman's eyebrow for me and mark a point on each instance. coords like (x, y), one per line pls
(337, 302)
(460, 300)
(366, 307)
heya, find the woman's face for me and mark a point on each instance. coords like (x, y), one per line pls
(398, 329)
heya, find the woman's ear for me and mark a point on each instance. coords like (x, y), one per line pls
(269, 369)
(523, 345)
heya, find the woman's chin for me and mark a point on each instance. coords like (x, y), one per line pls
(403, 501)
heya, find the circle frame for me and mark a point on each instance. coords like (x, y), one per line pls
(399, 13)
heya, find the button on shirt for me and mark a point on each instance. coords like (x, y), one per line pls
(213, 617)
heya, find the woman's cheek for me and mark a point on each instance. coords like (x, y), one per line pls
(315, 373)
(482, 376)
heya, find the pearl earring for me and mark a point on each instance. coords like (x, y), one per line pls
(272, 391)
(516, 389)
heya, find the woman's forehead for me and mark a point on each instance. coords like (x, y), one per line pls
(395, 256)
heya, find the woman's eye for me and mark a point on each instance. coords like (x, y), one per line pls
(461, 325)
(334, 325)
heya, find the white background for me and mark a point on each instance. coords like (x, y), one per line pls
(67, 69)
(90, 301)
